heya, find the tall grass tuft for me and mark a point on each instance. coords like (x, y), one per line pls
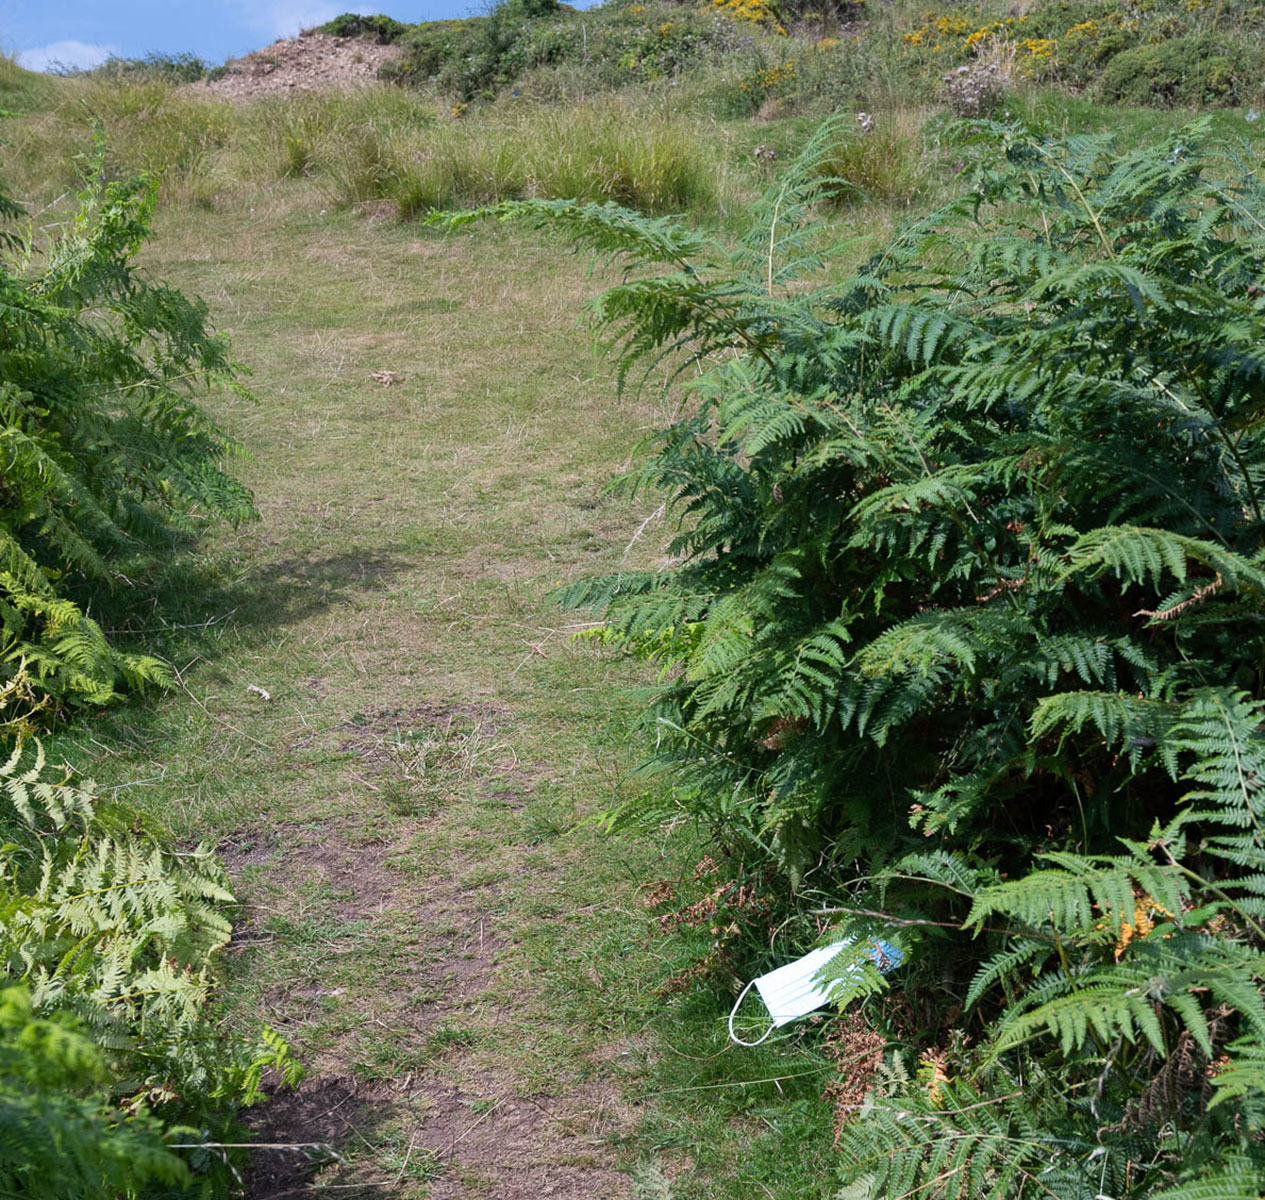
(886, 158)
(377, 144)
(340, 134)
(457, 167)
(645, 159)
(148, 126)
(652, 161)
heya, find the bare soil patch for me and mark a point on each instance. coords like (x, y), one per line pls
(375, 724)
(520, 1147)
(472, 1125)
(431, 750)
(325, 1111)
(308, 63)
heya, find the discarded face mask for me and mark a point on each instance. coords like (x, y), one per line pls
(793, 990)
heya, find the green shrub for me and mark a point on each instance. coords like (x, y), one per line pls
(1184, 71)
(476, 57)
(481, 56)
(382, 29)
(1088, 44)
(105, 457)
(165, 68)
(961, 639)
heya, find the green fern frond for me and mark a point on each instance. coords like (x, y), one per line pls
(1221, 729)
(1237, 1177)
(1076, 893)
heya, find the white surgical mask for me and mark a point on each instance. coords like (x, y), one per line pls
(793, 990)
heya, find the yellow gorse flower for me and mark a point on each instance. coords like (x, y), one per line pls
(770, 79)
(1040, 47)
(754, 12)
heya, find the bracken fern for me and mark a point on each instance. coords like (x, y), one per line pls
(964, 624)
(105, 457)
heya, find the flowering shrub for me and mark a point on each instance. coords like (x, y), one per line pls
(1186, 51)
(773, 81)
(1169, 52)
(754, 12)
(938, 31)
(954, 37)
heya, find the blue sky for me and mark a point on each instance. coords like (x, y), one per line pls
(82, 33)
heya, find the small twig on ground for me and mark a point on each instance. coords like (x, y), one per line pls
(543, 1109)
(536, 648)
(408, 1154)
(316, 1189)
(710, 1087)
(636, 537)
(483, 1117)
(254, 1146)
(163, 627)
(118, 787)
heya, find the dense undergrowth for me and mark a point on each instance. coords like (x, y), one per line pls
(620, 102)
(108, 461)
(115, 1076)
(961, 647)
(758, 52)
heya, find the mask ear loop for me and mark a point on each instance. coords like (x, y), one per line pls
(733, 1012)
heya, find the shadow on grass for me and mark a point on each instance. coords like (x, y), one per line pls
(186, 611)
(296, 1130)
(204, 612)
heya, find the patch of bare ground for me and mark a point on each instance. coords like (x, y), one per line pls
(295, 1127)
(370, 732)
(520, 1147)
(311, 62)
(401, 1061)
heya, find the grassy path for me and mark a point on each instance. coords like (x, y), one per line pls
(423, 922)
(465, 967)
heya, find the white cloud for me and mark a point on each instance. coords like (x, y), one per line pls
(285, 18)
(77, 56)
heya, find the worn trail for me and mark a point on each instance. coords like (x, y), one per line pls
(460, 966)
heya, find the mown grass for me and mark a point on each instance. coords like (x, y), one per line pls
(426, 911)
